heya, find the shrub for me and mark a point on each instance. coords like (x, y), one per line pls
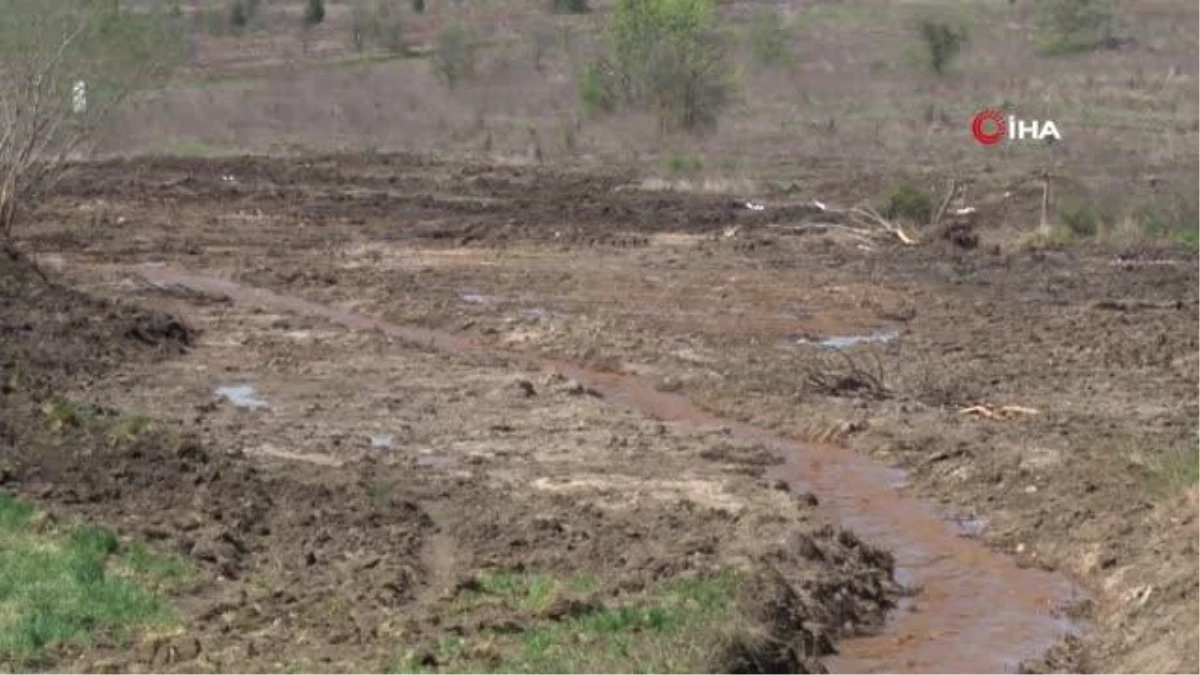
(239, 16)
(909, 202)
(684, 164)
(569, 6)
(1080, 218)
(1173, 216)
(1068, 26)
(598, 88)
(667, 57)
(375, 23)
(768, 40)
(314, 12)
(943, 42)
(418, 6)
(454, 55)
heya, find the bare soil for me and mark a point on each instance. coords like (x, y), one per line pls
(321, 551)
(316, 546)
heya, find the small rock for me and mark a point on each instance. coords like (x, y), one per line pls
(1032, 489)
(526, 389)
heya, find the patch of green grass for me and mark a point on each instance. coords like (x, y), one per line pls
(193, 148)
(684, 164)
(526, 593)
(1177, 470)
(673, 627)
(1080, 218)
(769, 40)
(909, 202)
(63, 587)
(1070, 26)
(63, 412)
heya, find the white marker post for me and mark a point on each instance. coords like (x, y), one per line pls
(79, 97)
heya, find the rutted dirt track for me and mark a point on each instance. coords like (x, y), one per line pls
(378, 474)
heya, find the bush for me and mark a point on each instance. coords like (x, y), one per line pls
(684, 164)
(454, 55)
(910, 203)
(768, 40)
(598, 88)
(1174, 216)
(314, 12)
(664, 56)
(943, 42)
(239, 16)
(569, 6)
(1080, 218)
(1068, 26)
(375, 23)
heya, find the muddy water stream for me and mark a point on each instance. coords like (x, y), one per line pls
(977, 611)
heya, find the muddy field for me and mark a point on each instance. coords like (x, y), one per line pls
(376, 380)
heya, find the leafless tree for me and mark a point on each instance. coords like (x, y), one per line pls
(65, 65)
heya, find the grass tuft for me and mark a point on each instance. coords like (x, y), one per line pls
(676, 626)
(63, 588)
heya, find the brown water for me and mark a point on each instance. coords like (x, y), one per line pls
(976, 610)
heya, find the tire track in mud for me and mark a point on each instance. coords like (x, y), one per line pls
(976, 611)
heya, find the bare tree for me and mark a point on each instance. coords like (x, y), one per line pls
(65, 65)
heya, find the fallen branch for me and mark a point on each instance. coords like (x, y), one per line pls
(868, 218)
(1002, 413)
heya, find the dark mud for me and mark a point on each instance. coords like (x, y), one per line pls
(1099, 338)
(306, 567)
(395, 193)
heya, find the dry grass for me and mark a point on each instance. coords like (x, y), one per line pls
(852, 104)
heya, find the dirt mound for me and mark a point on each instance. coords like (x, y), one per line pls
(429, 200)
(49, 331)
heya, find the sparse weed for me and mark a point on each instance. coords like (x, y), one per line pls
(943, 40)
(1177, 470)
(1173, 217)
(375, 23)
(1080, 218)
(569, 6)
(768, 39)
(454, 51)
(684, 164)
(1069, 26)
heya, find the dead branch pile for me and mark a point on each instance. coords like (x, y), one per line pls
(843, 374)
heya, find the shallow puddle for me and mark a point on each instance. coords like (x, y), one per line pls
(241, 396)
(977, 611)
(847, 341)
